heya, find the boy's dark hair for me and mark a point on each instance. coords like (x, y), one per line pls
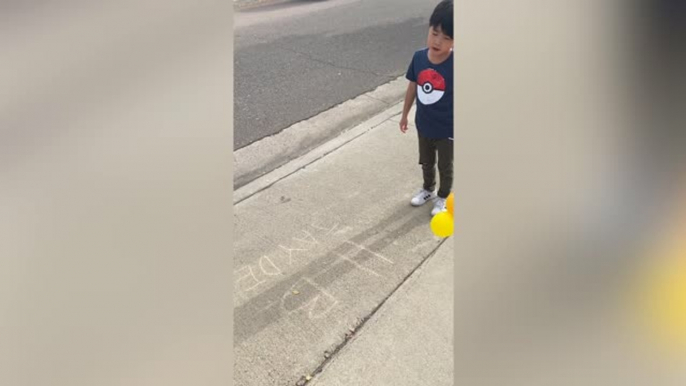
(443, 17)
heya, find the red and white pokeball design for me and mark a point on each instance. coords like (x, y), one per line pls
(430, 86)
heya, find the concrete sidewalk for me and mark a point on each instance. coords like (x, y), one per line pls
(324, 244)
(409, 340)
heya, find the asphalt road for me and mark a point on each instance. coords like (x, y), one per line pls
(295, 59)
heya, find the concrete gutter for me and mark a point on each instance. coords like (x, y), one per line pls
(270, 153)
(247, 4)
(270, 178)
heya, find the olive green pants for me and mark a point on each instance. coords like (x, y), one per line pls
(429, 150)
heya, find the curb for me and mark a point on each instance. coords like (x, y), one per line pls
(248, 4)
(261, 157)
(293, 166)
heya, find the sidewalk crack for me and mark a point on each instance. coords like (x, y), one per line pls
(330, 355)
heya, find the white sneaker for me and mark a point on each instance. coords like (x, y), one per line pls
(422, 197)
(439, 206)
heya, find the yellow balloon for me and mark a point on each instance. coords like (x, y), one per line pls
(442, 224)
(449, 204)
(664, 300)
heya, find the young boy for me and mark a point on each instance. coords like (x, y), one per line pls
(431, 83)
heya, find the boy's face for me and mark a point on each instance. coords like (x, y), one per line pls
(439, 43)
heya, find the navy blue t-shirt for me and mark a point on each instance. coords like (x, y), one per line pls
(434, 117)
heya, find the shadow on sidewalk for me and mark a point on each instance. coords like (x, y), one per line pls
(258, 313)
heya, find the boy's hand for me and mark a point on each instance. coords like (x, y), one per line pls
(410, 95)
(403, 125)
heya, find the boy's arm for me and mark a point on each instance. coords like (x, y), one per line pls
(410, 95)
(409, 98)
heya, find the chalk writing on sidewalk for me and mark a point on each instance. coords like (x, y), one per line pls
(311, 241)
(272, 269)
(305, 295)
(250, 277)
(289, 252)
(363, 248)
(358, 265)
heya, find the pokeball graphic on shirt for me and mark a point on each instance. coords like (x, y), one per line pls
(430, 86)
